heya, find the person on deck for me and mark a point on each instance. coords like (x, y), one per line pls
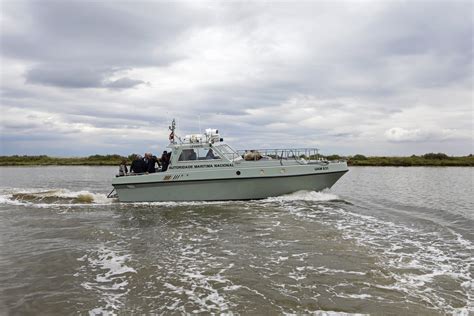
(138, 165)
(123, 170)
(165, 161)
(150, 161)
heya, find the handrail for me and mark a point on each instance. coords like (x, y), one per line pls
(298, 154)
(273, 149)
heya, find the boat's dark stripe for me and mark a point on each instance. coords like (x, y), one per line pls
(225, 179)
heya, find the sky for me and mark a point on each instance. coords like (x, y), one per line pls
(348, 77)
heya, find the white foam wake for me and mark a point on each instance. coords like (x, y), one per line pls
(304, 196)
(111, 280)
(51, 196)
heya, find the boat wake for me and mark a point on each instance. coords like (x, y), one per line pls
(112, 272)
(51, 197)
(315, 196)
(418, 264)
(65, 197)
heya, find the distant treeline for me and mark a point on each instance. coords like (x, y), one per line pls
(43, 160)
(430, 159)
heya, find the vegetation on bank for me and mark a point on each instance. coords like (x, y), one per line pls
(43, 160)
(430, 159)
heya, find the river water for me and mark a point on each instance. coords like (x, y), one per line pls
(392, 241)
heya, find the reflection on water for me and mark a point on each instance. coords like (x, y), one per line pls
(383, 240)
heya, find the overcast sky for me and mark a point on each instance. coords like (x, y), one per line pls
(370, 77)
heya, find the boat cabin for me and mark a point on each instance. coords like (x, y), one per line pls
(202, 149)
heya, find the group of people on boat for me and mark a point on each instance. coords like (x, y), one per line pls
(146, 164)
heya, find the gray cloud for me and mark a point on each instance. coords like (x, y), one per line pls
(388, 77)
(67, 76)
(123, 83)
(97, 32)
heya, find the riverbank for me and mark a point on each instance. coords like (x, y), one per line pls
(431, 159)
(467, 161)
(43, 160)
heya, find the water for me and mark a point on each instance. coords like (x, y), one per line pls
(382, 241)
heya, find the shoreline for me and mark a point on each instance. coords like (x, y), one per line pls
(427, 160)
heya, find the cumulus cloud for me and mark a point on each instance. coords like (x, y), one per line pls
(372, 77)
(65, 76)
(72, 76)
(123, 83)
(398, 134)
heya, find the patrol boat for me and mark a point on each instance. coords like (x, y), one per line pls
(204, 168)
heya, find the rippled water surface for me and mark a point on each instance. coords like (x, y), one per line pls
(381, 241)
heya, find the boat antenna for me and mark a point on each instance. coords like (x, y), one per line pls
(172, 128)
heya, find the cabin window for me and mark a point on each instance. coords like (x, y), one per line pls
(187, 155)
(198, 154)
(208, 154)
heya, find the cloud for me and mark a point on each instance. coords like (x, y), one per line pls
(373, 77)
(98, 32)
(67, 76)
(397, 134)
(123, 83)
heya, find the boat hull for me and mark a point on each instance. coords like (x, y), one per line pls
(225, 189)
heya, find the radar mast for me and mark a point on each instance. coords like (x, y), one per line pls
(172, 128)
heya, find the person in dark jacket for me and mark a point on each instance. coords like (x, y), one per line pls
(138, 165)
(165, 161)
(143, 165)
(150, 161)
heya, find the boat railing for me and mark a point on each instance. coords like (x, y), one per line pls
(281, 154)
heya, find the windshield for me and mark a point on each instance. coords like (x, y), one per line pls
(228, 152)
